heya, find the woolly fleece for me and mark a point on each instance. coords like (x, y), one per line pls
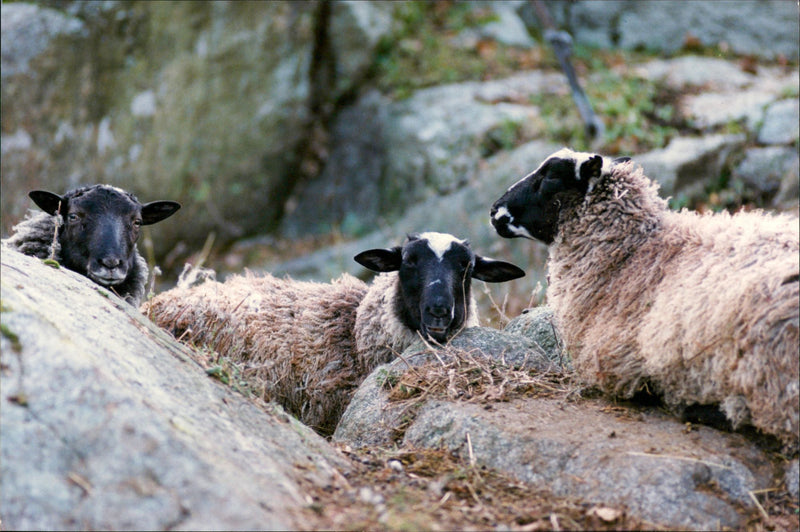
(699, 308)
(305, 345)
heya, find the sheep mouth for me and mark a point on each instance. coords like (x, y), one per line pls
(107, 278)
(438, 334)
(503, 230)
(507, 229)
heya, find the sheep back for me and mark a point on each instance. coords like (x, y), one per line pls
(702, 308)
(294, 339)
(379, 333)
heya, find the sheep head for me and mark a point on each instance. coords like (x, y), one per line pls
(531, 207)
(435, 272)
(100, 227)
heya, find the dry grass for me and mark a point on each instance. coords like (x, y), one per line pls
(457, 374)
(424, 489)
(468, 375)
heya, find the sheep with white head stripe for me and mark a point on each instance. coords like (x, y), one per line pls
(701, 309)
(308, 345)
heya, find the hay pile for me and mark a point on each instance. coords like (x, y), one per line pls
(458, 374)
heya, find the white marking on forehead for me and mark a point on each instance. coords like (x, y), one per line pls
(440, 242)
(437, 281)
(117, 189)
(579, 157)
(565, 153)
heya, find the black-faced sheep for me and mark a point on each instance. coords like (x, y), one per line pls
(308, 345)
(93, 231)
(701, 309)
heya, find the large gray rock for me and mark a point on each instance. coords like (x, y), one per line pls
(637, 461)
(686, 164)
(539, 326)
(27, 31)
(765, 169)
(344, 195)
(709, 73)
(387, 157)
(781, 123)
(356, 27)
(767, 28)
(205, 103)
(713, 109)
(108, 424)
(631, 459)
(438, 135)
(506, 28)
(464, 213)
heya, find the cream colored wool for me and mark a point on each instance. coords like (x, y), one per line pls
(700, 308)
(305, 345)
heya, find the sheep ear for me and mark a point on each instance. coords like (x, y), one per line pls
(47, 201)
(155, 211)
(381, 260)
(495, 271)
(591, 168)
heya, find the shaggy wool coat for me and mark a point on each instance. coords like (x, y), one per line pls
(305, 345)
(698, 308)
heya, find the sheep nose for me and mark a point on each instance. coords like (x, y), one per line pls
(438, 311)
(500, 215)
(110, 262)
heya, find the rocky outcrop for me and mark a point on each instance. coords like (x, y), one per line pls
(109, 424)
(211, 104)
(632, 459)
(767, 28)
(309, 146)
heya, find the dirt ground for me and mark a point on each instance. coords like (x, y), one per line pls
(413, 489)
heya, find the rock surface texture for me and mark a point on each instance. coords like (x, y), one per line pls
(109, 424)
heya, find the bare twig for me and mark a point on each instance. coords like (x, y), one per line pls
(758, 505)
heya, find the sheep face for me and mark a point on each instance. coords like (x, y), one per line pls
(435, 272)
(531, 207)
(100, 228)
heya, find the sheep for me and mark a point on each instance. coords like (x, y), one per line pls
(92, 230)
(701, 310)
(308, 345)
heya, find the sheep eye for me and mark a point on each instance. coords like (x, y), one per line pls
(73, 217)
(137, 222)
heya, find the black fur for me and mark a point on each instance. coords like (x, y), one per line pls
(535, 202)
(433, 295)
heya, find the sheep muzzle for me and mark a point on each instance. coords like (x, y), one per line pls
(107, 271)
